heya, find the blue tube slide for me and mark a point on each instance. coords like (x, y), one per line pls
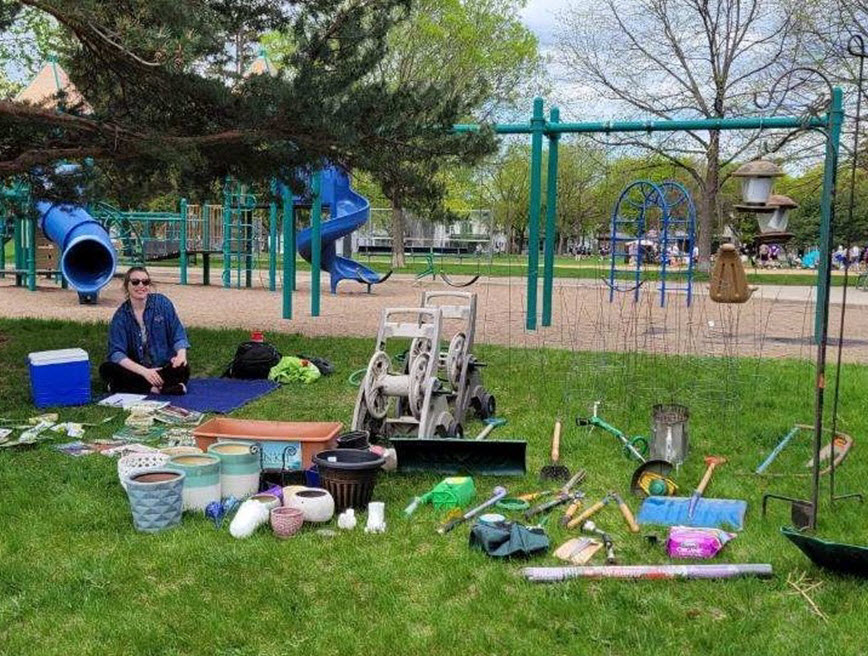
(87, 257)
(348, 211)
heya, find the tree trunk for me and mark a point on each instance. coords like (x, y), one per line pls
(708, 206)
(561, 240)
(397, 236)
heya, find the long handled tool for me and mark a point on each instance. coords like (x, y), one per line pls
(695, 510)
(651, 477)
(592, 510)
(497, 494)
(555, 470)
(490, 424)
(711, 462)
(564, 495)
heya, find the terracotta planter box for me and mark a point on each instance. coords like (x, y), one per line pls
(298, 441)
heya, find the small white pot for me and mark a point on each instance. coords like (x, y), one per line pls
(316, 504)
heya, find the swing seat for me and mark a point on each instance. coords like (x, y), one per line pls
(728, 280)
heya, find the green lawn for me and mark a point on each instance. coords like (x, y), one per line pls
(76, 578)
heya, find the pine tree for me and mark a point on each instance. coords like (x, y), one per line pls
(161, 79)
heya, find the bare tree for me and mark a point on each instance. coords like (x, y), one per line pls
(671, 59)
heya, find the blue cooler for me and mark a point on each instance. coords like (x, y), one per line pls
(59, 377)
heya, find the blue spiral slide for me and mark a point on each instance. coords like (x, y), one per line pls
(348, 211)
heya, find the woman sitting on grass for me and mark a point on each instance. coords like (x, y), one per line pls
(147, 346)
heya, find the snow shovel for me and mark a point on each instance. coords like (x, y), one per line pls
(457, 456)
(695, 510)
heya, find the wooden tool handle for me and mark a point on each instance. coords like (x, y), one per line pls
(572, 509)
(628, 516)
(485, 431)
(706, 478)
(587, 514)
(533, 496)
(556, 442)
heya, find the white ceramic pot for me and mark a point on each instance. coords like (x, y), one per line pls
(268, 500)
(316, 504)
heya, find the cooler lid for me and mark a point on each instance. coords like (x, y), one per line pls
(59, 356)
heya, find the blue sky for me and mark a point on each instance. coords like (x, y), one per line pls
(540, 16)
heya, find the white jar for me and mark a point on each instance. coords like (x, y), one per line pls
(316, 504)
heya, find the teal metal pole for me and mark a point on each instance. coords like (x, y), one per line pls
(206, 245)
(3, 217)
(272, 238)
(227, 235)
(31, 254)
(18, 241)
(288, 253)
(184, 241)
(827, 215)
(538, 122)
(315, 243)
(824, 275)
(656, 126)
(551, 215)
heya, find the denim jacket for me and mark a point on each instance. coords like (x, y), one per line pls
(165, 333)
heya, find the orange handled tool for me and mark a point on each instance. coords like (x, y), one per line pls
(578, 521)
(625, 511)
(571, 510)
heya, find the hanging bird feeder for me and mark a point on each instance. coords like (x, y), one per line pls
(757, 178)
(775, 220)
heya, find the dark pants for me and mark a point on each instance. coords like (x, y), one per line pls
(119, 379)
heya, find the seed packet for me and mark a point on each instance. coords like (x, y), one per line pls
(689, 542)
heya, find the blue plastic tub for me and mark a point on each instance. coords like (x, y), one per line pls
(59, 377)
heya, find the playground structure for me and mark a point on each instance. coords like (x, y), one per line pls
(348, 212)
(240, 230)
(653, 222)
(85, 257)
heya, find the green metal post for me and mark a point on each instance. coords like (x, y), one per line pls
(272, 238)
(206, 245)
(538, 124)
(248, 251)
(3, 217)
(824, 281)
(31, 254)
(315, 243)
(18, 241)
(183, 241)
(827, 210)
(551, 212)
(227, 235)
(288, 253)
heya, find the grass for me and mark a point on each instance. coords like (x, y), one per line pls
(76, 578)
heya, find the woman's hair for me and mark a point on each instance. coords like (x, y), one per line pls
(129, 273)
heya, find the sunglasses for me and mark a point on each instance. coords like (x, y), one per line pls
(135, 282)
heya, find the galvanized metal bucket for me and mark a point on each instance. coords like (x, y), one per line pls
(669, 433)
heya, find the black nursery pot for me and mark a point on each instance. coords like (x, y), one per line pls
(349, 475)
(354, 440)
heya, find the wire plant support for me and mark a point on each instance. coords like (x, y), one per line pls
(804, 511)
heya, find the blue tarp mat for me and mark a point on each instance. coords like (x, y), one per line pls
(221, 395)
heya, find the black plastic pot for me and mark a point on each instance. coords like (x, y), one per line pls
(349, 475)
(354, 440)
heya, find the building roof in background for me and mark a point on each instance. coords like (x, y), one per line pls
(43, 89)
(262, 65)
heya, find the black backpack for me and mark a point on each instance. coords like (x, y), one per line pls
(252, 360)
